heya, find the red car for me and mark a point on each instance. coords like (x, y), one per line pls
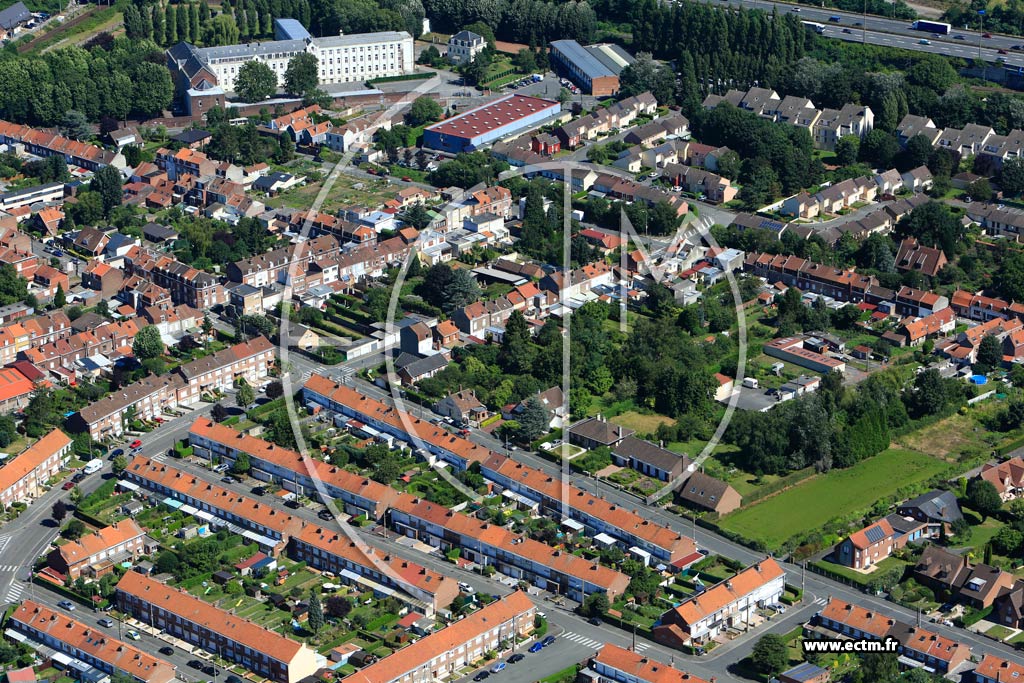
(68, 485)
(406, 179)
(1002, 52)
(135, 444)
(986, 35)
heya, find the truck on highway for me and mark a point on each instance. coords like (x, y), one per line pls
(818, 28)
(938, 27)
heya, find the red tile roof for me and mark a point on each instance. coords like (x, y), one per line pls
(32, 457)
(640, 668)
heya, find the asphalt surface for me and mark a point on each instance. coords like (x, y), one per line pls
(899, 31)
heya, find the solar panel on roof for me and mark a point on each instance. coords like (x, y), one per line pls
(875, 534)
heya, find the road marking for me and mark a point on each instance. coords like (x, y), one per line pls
(4, 540)
(9, 567)
(821, 601)
(582, 640)
(14, 594)
(640, 647)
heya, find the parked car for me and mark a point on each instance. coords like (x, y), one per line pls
(210, 670)
(986, 35)
(78, 477)
(68, 485)
(258, 491)
(135, 444)
(517, 657)
(498, 668)
(228, 480)
(537, 647)
(596, 621)
(548, 641)
(116, 452)
(483, 675)
(167, 650)
(195, 664)
(106, 623)
(66, 604)
(325, 515)
(293, 504)
(133, 635)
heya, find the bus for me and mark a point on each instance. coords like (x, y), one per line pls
(818, 28)
(931, 26)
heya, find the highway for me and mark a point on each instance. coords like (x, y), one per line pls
(876, 29)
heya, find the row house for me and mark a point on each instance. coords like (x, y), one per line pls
(303, 116)
(993, 669)
(956, 578)
(149, 397)
(476, 318)
(999, 220)
(983, 308)
(604, 120)
(24, 263)
(632, 191)
(832, 199)
(809, 276)
(354, 132)
(713, 186)
(103, 278)
(968, 141)
(671, 126)
(45, 144)
(358, 495)
(94, 554)
(428, 439)
(938, 324)
(66, 352)
(624, 665)
(639, 536)
(261, 523)
(918, 303)
(918, 645)
(26, 474)
(442, 654)
(826, 126)
(969, 341)
(188, 285)
(90, 646)
(267, 653)
(185, 161)
(331, 550)
(913, 125)
(514, 555)
(580, 281)
(731, 603)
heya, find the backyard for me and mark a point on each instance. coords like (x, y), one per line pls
(816, 501)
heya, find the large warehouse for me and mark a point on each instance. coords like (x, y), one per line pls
(594, 68)
(481, 126)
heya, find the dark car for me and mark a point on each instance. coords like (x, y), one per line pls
(232, 679)
(846, 30)
(195, 664)
(167, 650)
(537, 647)
(547, 641)
(1002, 52)
(517, 657)
(959, 36)
(78, 477)
(596, 621)
(482, 675)
(68, 485)
(210, 670)
(116, 452)
(986, 35)
(293, 504)
(258, 491)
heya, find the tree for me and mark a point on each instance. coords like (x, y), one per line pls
(525, 61)
(770, 654)
(416, 216)
(219, 413)
(595, 605)
(302, 75)
(107, 182)
(120, 464)
(983, 498)
(847, 150)
(879, 148)
(59, 300)
(245, 395)
(645, 74)
(980, 190)
(534, 420)
(337, 607)
(147, 343)
(255, 81)
(59, 511)
(423, 110)
(167, 562)
(275, 390)
(990, 354)
(1011, 180)
(241, 465)
(75, 125)
(75, 528)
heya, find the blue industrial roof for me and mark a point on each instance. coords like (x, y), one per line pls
(584, 60)
(290, 29)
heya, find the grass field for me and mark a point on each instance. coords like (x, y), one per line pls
(643, 424)
(811, 504)
(956, 434)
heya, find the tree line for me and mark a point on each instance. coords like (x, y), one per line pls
(533, 22)
(117, 78)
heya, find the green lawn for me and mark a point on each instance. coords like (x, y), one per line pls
(998, 632)
(811, 504)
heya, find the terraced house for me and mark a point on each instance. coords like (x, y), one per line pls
(87, 649)
(264, 652)
(25, 476)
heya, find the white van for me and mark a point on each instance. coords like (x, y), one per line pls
(92, 466)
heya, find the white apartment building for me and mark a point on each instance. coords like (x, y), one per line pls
(343, 59)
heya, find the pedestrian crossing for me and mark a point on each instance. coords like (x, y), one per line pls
(595, 644)
(821, 601)
(15, 592)
(8, 568)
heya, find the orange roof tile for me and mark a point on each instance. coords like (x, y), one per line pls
(640, 668)
(726, 592)
(32, 457)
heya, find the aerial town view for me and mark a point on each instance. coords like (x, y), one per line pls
(519, 341)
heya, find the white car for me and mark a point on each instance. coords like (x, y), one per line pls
(134, 635)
